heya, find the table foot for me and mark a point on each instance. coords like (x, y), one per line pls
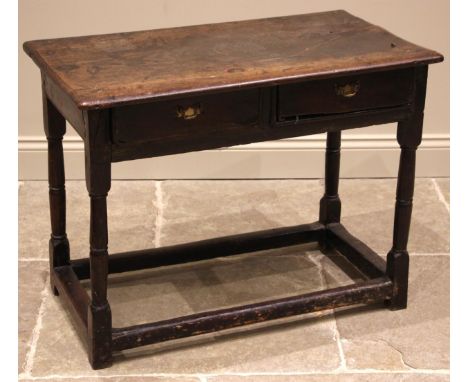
(397, 270)
(99, 337)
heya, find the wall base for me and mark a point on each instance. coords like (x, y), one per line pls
(363, 156)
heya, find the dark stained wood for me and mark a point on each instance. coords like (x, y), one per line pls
(65, 105)
(219, 114)
(207, 249)
(367, 292)
(116, 69)
(98, 182)
(357, 252)
(345, 94)
(54, 127)
(73, 295)
(150, 93)
(330, 204)
(204, 140)
(409, 135)
(98, 152)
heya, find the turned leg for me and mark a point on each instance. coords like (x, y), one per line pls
(330, 204)
(409, 137)
(98, 181)
(398, 258)
(99, 313)
(59, 248)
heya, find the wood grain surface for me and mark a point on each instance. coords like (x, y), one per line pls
(115, 69)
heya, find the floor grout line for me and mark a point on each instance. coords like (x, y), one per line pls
(207, 376)
(339, 342)
(158, 203)
(421, 254)
(29, 361)
(33, 259)
(440, 195)
(334, 326)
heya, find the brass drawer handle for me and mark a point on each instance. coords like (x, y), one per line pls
(348, 90)
(189, 112)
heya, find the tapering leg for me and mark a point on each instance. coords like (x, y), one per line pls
(409, 137)
(98, 181)
(330, 204)
(59, 248)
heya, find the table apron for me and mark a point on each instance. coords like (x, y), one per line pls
(259, 133)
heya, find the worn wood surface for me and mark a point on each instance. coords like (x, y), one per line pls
(98, 183)
(64, 104)
(324, 97)
(357, 252)
(366, 292)
(330, 203)
(54, 128)
(204, 139)
(409, 136)
(215, 114)
(207, 249)
(144, 94)
(115, 69)
(74, 296)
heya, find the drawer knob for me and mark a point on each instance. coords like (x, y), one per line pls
(348, 90)
(189, 112)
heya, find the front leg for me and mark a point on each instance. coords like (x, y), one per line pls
(98, 182)
(409, 137)
(59, 247)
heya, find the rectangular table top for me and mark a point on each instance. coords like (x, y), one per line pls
(115, 69)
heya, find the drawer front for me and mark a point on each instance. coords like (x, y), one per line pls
(347, 94)
(185, 117)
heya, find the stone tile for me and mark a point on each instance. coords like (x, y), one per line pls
(34, 222)
(417, 337)
(297, 344)
(60, 340)
(337, 270)
(196, 210)
(131, 216)
(444, 185)
(361, 377)
(368, 208)
(136, 378)
(32, 276)
(164, 293)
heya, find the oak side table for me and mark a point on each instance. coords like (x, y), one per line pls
(167, 91)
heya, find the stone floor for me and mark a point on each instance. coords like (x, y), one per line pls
(364, 344)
